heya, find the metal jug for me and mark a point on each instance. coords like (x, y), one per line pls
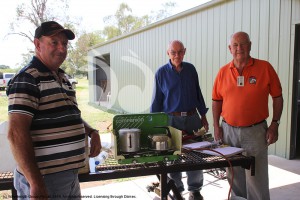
(129, 139)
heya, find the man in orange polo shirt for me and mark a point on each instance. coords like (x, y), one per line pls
(240, 95)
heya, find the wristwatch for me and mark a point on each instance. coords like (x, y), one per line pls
(276, 121)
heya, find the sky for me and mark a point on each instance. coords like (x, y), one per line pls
(91, 13)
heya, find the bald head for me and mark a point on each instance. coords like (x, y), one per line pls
(240, 47)
(175, 43)
(239, 34)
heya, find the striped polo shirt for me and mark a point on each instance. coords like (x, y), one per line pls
(57, 130)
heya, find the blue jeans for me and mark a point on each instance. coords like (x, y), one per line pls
(61, 185)
(194, 178)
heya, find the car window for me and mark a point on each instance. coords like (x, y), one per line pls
(9, 75)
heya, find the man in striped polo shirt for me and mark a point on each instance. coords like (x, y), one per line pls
(46, 131)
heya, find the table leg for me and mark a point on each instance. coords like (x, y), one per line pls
(14, 194)
(167, 184)
(172, 186)
(164, 186)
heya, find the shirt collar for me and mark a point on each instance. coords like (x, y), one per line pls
(43, 68)
(250, 63)
(171, 66)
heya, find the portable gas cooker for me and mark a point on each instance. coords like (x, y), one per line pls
(148, 124)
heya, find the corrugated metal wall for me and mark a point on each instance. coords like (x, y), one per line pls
(205, 31)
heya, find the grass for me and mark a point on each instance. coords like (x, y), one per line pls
(95, 117)
(3, 106)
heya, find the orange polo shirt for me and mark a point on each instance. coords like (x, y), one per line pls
(248, 104)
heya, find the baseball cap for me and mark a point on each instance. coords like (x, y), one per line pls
(50, 28)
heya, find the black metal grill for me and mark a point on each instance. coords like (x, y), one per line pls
(6, 181)
(6, 175)
(185, 162)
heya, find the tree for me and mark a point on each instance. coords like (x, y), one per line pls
(124, 22)
(111, 31)
(163, 13)
(7, 69)
(120, 23)
(4, 67)
(76, 62)
(30, 16)
(26, 58)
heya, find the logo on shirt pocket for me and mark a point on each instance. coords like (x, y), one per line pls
(252, 80)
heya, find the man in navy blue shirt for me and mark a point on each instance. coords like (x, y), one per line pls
(177, 93)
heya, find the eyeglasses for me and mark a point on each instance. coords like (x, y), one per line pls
(180, 53)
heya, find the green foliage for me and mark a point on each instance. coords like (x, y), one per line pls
(9, 70)
(4, 67)
(76, 63)
(3, 106)
(27, 57)
(95, 117)
(164, 12)
(33, 13)
(123, 22)
(111, 32)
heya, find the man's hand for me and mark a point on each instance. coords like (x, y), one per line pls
(38, 191)
(272, 133)
(204, 123)
(95, 144)
(218, 133)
